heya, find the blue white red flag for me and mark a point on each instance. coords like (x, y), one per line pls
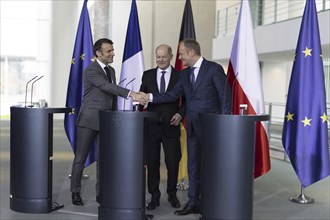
(133, 61)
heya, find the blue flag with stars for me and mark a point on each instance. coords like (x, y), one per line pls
(82, 57)
(305, 131)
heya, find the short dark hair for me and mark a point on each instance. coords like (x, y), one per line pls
(192, 44)
(98, 44)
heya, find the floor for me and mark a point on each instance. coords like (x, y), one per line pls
(271, 191)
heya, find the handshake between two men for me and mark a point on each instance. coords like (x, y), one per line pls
(144, 98)
(140, 97)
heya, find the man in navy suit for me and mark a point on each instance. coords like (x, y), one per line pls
(100, 93)
(166, 131)
(205, 87)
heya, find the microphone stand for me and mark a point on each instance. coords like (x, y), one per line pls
(125, 88)
(26, 89)
(121, 82)
(32, 90)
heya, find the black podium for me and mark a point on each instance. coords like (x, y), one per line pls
(31, 155)
(121, 165)
(227, 165)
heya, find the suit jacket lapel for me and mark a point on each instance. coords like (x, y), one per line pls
(186, 80)
(172, 81)
(153, 82)
(201, 74)
(101, 70)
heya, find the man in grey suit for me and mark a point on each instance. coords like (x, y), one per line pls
(205, 87)
(100, 93)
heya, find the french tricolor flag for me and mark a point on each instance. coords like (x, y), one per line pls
(133, 62)
(245, 80)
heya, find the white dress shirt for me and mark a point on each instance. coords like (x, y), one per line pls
(167, 76)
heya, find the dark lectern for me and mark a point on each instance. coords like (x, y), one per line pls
(31, 154)
(121, 165)
(227, 165)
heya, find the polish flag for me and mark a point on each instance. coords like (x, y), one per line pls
(245, 81)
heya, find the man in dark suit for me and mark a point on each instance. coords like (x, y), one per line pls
(166, 131)
(100, 93)
(206, 90)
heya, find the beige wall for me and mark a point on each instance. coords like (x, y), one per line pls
(160, 22)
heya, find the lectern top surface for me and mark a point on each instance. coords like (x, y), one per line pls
(46, 110)
(248, 117)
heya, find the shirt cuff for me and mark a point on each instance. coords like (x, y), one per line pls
(151, 97)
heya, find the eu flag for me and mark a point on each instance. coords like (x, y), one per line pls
(305, 131)
(82, 57)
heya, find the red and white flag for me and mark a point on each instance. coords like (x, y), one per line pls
(245, 81)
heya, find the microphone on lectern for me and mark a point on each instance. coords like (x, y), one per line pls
(129, 82)
(122, 81)
(126, 87)
(32, 89)
(26, 86)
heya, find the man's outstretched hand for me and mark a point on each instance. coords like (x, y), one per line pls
(140, 97)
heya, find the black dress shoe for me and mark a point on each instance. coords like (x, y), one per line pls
(76, 199)
(152, 204)
(187, 209)
(148, 217)
(175, 203)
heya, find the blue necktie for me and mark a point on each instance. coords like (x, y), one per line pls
(192, 78)
(162, 82)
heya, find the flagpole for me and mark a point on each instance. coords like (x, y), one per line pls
(302, 198)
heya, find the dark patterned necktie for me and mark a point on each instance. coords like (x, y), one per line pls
(192, 77)
(114, 98)
(162, 82)
(107, 70)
